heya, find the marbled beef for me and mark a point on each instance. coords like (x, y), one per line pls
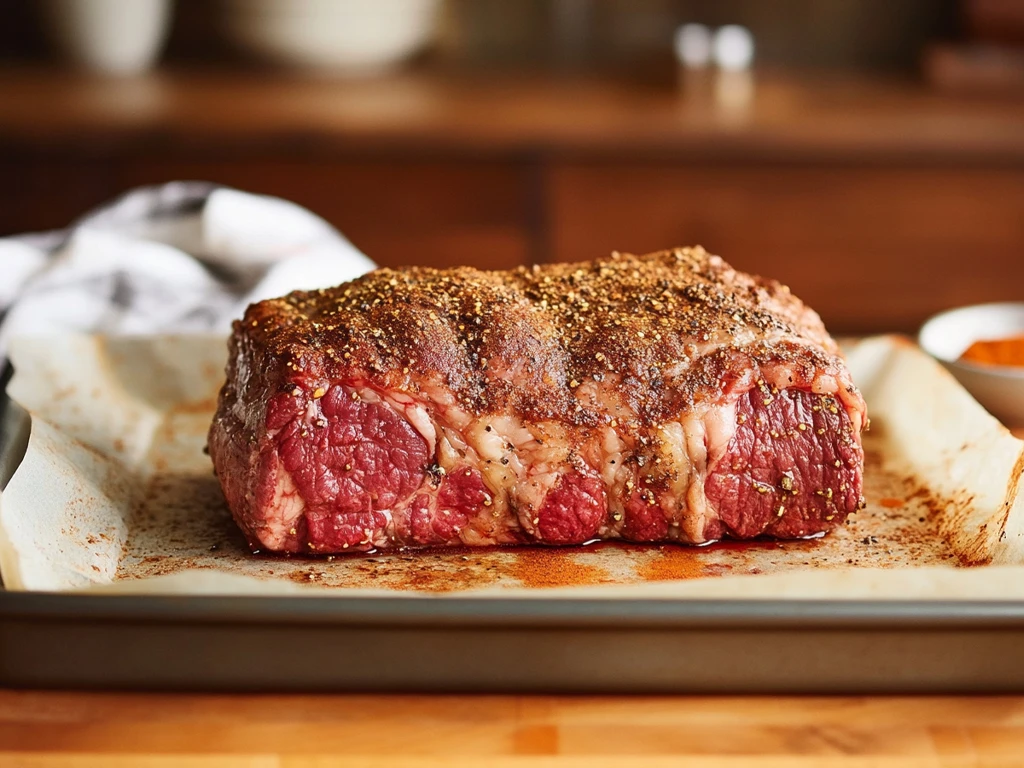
(664, 397)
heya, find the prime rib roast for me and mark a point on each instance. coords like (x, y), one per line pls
(653, 398)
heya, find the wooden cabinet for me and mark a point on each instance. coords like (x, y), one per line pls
(879, 202)
(398, 211)
(40, 191)
(872, 248)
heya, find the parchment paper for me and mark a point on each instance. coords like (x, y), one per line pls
(115, 493)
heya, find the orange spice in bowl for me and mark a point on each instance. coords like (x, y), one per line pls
(1006, 352)
(995, 377)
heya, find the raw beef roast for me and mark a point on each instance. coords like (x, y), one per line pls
(665, 397)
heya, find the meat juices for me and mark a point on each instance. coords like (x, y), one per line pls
(664, 397)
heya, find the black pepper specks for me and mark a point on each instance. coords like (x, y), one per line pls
(660, 330)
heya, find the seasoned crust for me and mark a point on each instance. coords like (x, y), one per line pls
(666, 327)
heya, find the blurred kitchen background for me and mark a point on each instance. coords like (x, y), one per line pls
(870, 153)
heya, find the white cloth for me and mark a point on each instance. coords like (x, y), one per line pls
(181, 257)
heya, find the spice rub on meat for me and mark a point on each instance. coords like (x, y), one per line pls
(664, 397)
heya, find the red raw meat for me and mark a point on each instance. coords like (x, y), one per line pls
(665, 397)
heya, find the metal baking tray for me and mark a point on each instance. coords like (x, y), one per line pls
(477, 645)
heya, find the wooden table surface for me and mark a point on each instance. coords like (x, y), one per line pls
(109, 730)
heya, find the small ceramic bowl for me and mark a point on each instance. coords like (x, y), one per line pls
(348, 37)
(999, 388)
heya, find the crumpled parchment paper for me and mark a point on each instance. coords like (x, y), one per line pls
(114, 493)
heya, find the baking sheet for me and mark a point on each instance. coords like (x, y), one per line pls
(115, 493)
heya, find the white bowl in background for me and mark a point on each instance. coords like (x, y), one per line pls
(112, 37)
(946, 336)
(344, 36)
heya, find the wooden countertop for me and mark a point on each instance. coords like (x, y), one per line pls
(787, 117)
(40, 729)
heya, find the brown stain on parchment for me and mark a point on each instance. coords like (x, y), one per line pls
(671, 564)
(539, 567)
(981, 548)
(942, 517)
(529, 567)
(438, 571)
(952, 512)
(1012, 488)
